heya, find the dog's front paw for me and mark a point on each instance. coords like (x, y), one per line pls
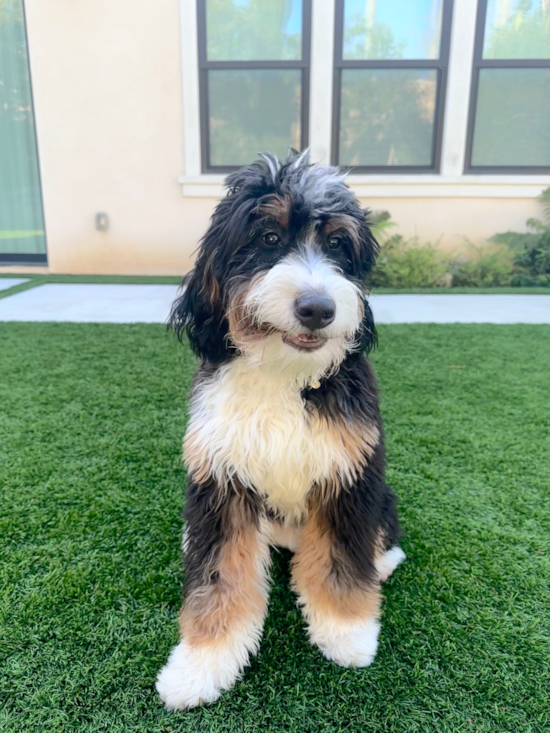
(349, 644)
(194, 676)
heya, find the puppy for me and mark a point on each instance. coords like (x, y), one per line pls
(284, 444)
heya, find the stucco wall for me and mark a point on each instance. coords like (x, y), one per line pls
(448, 222)
(108, 103)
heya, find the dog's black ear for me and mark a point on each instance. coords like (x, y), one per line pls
(367, 336)
(199, 312)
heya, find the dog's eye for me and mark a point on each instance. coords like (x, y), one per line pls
(335, 243)
(272, 239)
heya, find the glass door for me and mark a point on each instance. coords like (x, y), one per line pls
(22, 236)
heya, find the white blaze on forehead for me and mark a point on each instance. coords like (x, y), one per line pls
(273, 297)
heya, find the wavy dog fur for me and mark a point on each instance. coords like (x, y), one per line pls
(285, 442)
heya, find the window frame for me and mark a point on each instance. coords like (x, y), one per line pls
(480, 63)
(441, 65)
(204, 66)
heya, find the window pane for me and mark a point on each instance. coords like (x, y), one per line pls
(251, 111)
(512, 125)
(252, 30)
(392, 29)
(21, 223)
(517, 29)
(387, 116)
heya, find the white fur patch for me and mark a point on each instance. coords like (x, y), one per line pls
(386, 563)
(194, 676)
(272, 299)
(273, 164)
(348, 643)
(252, 425)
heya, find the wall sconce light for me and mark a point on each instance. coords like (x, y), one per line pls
(102, 222)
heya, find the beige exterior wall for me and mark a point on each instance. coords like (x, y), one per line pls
(450, 221)
(108, 105)
(107, 82)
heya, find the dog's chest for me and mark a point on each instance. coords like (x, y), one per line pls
(255, 427)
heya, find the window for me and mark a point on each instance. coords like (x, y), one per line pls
(390, 73)
(254, 79)
(509, 128)
(22, 238)
(379, 77)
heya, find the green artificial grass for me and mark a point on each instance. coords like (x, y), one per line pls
(91, 490)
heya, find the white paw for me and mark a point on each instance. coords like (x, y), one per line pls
(386, 563)
(193, 677)
(349, 644)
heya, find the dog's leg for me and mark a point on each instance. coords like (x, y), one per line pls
(341, 609)
(225, 605)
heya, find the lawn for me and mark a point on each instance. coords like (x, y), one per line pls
(91, 490)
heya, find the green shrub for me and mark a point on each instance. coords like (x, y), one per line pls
(532, 263)
(530, 250)
(483, 267)
(516, 258)
(380, 222)
(405, 263)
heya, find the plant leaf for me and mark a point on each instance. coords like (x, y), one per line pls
(544, 200)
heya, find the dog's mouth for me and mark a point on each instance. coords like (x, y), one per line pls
(304, 341)
(247, 330)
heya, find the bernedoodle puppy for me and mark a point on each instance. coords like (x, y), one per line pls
(284, 444)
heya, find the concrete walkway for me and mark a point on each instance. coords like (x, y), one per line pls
(151, 304)
(461, 308)
(90, 303)
(10, 282)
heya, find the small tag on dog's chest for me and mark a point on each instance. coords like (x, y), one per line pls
(315, 384)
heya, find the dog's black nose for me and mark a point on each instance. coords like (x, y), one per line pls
(314, 311)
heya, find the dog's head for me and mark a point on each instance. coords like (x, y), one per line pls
(280, 273)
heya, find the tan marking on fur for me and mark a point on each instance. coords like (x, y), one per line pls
(242, 327)
(277, 208)
(238, 598)
(320, 590)
(253, 427)
(354, 442)
(195, 456)
(347, 223)
(210, 283)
